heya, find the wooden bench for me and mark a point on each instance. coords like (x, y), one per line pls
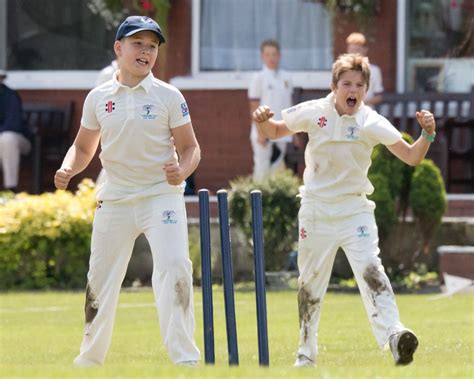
(453, 151)
(50, 126)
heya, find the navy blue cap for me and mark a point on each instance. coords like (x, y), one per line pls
(135, 24)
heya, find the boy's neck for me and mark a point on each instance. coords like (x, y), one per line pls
(269, 68)
(129, 80)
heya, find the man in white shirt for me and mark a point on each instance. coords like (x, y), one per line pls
(357, 44)
(271, 86)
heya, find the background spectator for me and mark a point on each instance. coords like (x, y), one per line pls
(357, 43)
(273, 87)
(13, 135)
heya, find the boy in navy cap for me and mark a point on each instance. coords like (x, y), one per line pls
(148, 150)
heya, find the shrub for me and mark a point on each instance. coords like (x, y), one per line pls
(427, 199)
(397, 173)
(280, 213)
(45, 239)
(398, 187)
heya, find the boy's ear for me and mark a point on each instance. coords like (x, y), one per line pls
(333, 87)
(118, 48)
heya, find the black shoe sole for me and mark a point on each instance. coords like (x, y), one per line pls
(407, 345)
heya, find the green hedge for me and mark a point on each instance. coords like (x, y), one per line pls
(45, 239)
(280, 213)
(400, 188)
(427, 199)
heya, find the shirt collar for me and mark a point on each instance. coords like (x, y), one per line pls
(358, 116)
(146, 83)
(269, 70)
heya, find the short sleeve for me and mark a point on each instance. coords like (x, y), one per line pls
(255, 88)
(89, 115)
(299, 117)
(381, 130)
(179, 111)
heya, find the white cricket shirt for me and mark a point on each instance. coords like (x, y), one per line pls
(273, 88)
(136, 140)
(338, 152)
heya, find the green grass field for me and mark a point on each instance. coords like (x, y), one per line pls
(41, 333)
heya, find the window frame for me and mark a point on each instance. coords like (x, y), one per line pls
(235, 79)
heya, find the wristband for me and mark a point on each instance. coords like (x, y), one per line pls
(428, 137)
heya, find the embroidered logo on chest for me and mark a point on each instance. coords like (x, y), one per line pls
(303, 233)
(109, 106)
(352, 133)
(148, 109)
(322, 121)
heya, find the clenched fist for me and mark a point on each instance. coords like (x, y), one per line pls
(62, 177)
(262, 113)
(174, 173)
(426, 121)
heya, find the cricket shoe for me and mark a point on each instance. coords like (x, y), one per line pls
(303, 361)
(403, 345)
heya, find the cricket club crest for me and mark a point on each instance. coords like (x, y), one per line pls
(362, 231)
(352, 133)
(322, 121)
(169, 217)
(148, 108)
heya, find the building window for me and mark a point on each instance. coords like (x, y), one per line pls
(47, 35)
(440, 48)
(231, 32)
(53, 44)
(226, 38)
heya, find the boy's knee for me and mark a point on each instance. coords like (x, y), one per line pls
(10, 139)
(375, 278)
(178, 265)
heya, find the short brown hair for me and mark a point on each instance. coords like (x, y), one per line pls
(351, 62)
(356, 39)
(271, 43)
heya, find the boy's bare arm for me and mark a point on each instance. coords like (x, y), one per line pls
(189, 155)
(78, 156)
(413, 154)
(269, 127)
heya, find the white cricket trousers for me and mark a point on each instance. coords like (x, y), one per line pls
(323, 228)
(12, 146)
(116, 226)
(262, 155)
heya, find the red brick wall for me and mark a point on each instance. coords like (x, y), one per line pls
(222, 125)
(178, 45)
(57, 96)
(381, 36)
(458, 264)
(220, 120)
